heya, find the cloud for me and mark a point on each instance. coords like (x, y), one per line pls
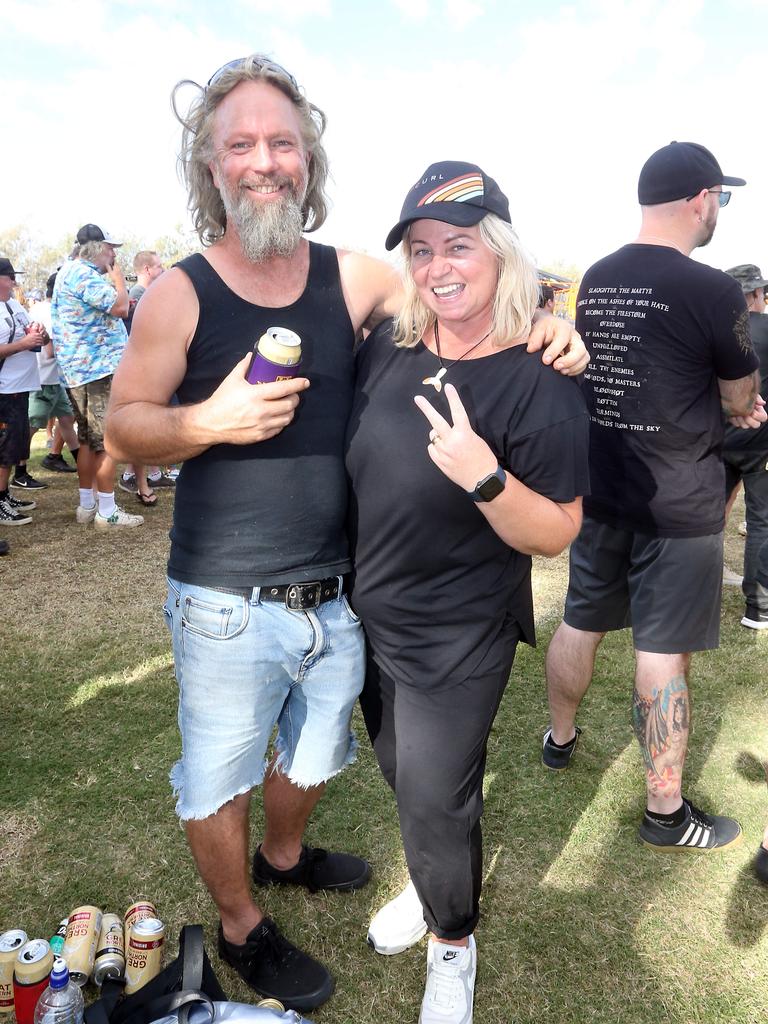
(413, 10)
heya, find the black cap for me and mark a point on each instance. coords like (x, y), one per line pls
(677, 171)
(93, 233)
(452, 191)
(6, 268)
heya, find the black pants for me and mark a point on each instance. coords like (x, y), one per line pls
(431, 748)
(752, 469)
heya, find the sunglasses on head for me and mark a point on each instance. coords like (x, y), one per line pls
(259, 64)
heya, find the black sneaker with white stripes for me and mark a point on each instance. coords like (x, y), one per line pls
(10, 517)
(699, 832)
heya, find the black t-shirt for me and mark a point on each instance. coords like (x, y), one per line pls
(437, 589)
(661, 328)
(736, 439)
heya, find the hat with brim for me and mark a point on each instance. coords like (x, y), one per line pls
(6, 268)
(451, 191)
(749, 277)
(679, 171)
(93, 233)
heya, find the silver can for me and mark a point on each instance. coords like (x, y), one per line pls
(110, 950)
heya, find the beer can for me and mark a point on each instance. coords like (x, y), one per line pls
(79, 950)
(57, 940)
(271, 1004)
(31, 971)
(144, 955)
(138, 911)
(10, 944)
(110, 950)
(276, 356)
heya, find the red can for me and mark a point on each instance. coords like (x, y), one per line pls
(30, 978)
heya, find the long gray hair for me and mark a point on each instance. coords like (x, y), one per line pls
(205, 203)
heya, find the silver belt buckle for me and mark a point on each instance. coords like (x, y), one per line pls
(297, 593)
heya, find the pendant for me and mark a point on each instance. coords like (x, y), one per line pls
(436, 380)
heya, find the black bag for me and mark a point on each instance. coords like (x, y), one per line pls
(186, 982)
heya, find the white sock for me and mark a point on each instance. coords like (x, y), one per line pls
(86, 498)
(127, 474)
(156, 475)
(106, 504)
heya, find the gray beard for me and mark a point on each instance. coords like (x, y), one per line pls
(272, 229)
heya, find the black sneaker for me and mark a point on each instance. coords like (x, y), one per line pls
(699, 832)
(558, 758)
(754, 618)
(162, 481)
(317, 869)
(57, 464)
(27, 482)
(10, 517)
(19, 505)
(276, 969)
(128, 484)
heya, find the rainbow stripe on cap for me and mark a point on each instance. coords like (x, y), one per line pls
(458, 190)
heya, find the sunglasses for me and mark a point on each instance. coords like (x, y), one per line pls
(259, 64)
(723, 197)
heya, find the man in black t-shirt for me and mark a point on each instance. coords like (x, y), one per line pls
(745, 454)
(671, 350)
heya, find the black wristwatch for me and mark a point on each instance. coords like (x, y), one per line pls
(490, 486)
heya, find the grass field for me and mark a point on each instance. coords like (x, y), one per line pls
(579, 922)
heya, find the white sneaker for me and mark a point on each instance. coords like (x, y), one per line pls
(450, 983)
(731, 578)
(398, 924)
(85, 515)
(118, 518)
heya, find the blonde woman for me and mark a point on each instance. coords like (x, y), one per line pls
(467, 455)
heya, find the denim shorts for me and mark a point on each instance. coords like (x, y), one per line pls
(244, 666)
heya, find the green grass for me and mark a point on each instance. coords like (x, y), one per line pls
(579, 922)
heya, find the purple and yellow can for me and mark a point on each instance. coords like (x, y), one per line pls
(276, 356)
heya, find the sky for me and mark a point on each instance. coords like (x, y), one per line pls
(560, 103)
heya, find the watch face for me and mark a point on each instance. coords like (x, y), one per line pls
(490, 488)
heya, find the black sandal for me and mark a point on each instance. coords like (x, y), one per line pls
(147, 500)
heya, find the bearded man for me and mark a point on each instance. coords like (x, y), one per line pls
(263, 635)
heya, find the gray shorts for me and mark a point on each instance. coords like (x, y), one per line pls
(668, 589)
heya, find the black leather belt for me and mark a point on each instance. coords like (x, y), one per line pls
(297, 597)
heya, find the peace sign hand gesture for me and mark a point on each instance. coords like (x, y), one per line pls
(457, 450)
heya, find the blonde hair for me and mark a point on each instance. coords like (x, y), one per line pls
(205, 203)
(142, 259)
(91, 250)
(515, 300)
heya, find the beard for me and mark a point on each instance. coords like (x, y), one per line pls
(268, 229)
(707, 230)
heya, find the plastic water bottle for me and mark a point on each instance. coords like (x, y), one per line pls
(62, 1001)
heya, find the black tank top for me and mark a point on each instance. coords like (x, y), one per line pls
(271, 512)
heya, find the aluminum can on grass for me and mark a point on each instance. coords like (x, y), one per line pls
(57, 941)
(10, 944)
(276, 356)
(144, 954)
(138, 911)
(31, 971)
(110, 950)
(79, 950)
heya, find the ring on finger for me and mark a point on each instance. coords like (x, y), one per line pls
(434, 437)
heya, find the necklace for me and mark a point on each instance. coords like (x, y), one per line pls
(666, 241)
(437, 380)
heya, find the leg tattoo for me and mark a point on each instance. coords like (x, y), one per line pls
(661, 727)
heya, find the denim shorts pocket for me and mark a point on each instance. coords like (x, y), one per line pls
(171, 600)
(215, 621)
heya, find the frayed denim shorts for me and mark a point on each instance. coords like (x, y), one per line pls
(244, 666)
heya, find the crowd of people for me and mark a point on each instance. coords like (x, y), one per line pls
(365, 530)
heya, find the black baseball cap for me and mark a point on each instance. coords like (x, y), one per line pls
(93, 233)
(6, 268)
(452, 191)
(677, 171)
